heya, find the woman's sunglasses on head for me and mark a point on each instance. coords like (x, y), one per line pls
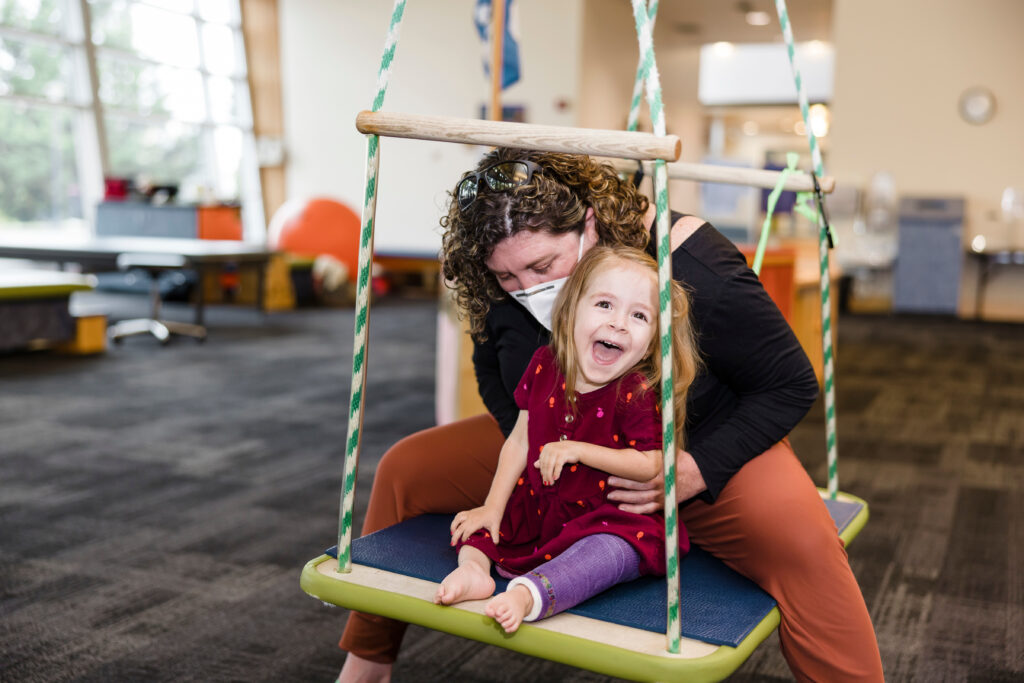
(501, 176)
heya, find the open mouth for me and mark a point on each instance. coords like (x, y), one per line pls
(605, 352)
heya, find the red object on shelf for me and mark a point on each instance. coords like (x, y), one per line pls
(380, 285)
(116, 189)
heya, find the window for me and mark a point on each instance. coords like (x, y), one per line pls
(44, 133)
(122, 88)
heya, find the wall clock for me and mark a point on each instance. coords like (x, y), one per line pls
(977, 105)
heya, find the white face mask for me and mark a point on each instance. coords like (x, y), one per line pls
(540, 299)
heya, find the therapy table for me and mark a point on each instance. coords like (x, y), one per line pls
(98, 254)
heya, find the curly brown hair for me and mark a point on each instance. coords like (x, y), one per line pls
(555, 200)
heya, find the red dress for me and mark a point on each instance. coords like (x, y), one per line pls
(542, 521)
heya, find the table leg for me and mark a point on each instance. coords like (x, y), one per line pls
(201, 295)
(979, 293)
(261, 275)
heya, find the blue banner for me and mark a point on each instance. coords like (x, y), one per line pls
(510, 44)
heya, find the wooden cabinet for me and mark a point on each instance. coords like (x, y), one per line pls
(789, 274)
(777, 275)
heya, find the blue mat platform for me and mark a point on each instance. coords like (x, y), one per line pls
(719, 606)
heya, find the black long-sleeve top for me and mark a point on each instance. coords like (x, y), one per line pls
(756, 384)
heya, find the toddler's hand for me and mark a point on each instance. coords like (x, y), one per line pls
(468, 522)
(553, 457)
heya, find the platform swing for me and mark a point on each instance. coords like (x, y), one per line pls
(636, 630)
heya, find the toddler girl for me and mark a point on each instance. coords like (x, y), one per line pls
(589, 408)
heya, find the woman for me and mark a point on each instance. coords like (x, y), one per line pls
(516, 228)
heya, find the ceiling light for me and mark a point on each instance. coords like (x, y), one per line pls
(758, 18)
(799, 128)
(724, 48)
(820, 119)
(816, 48)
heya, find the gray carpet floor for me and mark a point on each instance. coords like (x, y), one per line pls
(157, 504)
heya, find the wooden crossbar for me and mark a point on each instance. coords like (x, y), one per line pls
(753, 177)
(610, 143)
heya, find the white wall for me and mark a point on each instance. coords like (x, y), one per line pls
(900, 69)
(330, 56)
(608, 68)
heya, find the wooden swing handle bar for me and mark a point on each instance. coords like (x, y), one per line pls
(753, 177)
(609, 143)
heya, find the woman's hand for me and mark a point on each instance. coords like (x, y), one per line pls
(645, 497)
(468, 522)
(554, 456)
(641, 497)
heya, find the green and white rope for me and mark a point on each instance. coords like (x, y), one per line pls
(823, 247)
(362, 320)
(638, 83)
(653, 85)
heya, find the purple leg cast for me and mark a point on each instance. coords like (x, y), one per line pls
(589, 566)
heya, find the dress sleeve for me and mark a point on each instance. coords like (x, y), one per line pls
(540, 359)
(749, 346)
(640, 416)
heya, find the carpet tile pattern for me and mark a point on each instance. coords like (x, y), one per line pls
(157, 504)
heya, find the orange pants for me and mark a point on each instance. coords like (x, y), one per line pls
(768, 524)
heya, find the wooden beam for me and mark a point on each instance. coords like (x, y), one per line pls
(710, 173)
(263, 58)
(611, 143)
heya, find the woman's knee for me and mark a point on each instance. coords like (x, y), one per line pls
(811, 538)
(395, 488)
(788, 529)
(407, 467)
(438, 470)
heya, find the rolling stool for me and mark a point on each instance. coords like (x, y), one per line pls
(153, 265)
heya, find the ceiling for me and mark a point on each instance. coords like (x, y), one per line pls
(708, 21)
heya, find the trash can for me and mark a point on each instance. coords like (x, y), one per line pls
(929, 260)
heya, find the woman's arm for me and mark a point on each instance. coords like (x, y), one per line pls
(758, 383)
(620, 462)
(682, 228)
(512, 337)
(646, 496)
(765, 382)
(496, 398)
(511, 463)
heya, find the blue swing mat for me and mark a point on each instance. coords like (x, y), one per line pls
(719, 606)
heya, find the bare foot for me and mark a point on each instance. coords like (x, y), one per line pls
(509, 608)
(469, 581)
(359, 670)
